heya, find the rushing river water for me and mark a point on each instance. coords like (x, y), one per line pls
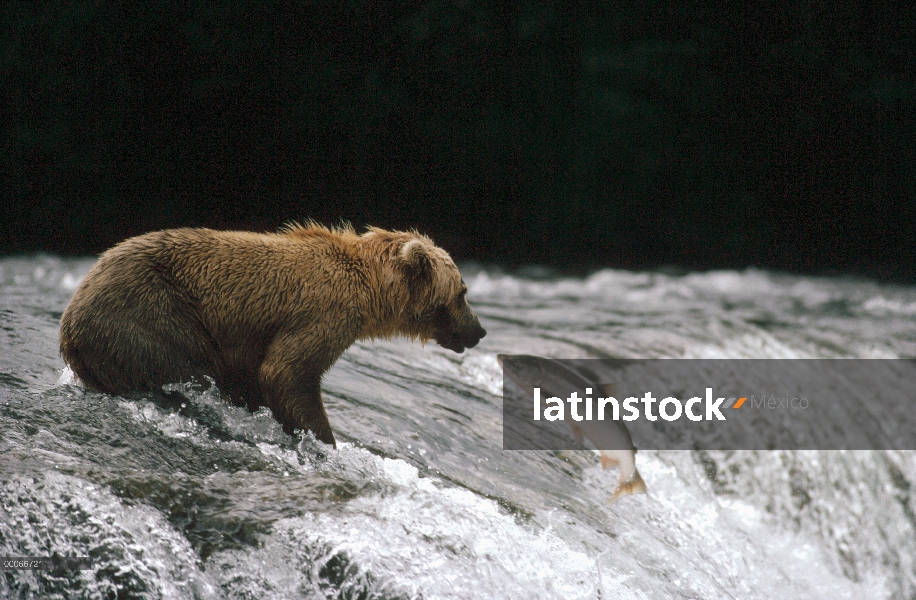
(197, 499)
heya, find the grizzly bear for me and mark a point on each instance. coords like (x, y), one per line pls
(264, 315)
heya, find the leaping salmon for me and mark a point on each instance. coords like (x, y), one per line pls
(610, 437)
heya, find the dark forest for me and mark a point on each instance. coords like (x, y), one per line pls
(575, 134)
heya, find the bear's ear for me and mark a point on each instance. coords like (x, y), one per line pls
(417, 266)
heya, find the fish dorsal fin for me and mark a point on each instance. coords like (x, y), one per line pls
(607, 388)
(577, 433)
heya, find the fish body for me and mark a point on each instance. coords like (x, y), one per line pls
(611, 437)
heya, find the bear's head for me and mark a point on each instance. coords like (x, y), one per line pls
(430, 291)
(438, 296)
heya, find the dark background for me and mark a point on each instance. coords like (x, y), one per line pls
(574, 134)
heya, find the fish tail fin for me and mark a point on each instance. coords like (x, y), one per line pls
(634, 486)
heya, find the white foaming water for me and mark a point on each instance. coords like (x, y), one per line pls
(136, 552)
(419, 537)
(192, 498)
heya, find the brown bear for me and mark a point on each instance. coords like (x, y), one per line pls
(264, 315)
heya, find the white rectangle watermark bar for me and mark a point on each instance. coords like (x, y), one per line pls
(681, 404)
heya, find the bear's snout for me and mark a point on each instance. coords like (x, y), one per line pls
(459, 341)
(473, 337)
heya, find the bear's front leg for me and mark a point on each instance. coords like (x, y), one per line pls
(292, 390)
(305, 410)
